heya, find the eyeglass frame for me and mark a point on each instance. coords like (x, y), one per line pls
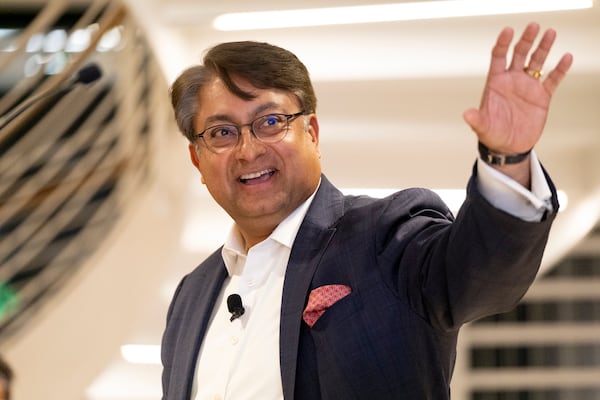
(289, 119)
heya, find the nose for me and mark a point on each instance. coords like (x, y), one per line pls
(248, 145)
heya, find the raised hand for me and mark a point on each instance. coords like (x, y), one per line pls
(516, 97)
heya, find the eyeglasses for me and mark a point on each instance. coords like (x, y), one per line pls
(270, 128)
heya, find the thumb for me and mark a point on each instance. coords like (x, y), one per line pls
(473, 119)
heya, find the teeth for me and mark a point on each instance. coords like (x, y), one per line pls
(256, 174)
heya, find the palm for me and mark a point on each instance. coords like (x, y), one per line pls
(514, 107)
(514, 111)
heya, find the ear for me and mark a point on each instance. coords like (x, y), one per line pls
(313, 128)
(194, 156)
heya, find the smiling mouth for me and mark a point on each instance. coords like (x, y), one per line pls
(257, 177)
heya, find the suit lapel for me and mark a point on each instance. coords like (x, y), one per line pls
(312, 240)
(208, 285)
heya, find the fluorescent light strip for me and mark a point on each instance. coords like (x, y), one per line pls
(452, 197)
(389, 12)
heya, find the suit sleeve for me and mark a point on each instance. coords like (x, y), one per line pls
(453, 272)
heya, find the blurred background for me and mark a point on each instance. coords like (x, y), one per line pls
(101, 212)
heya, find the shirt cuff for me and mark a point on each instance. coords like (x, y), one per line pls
(509, 196)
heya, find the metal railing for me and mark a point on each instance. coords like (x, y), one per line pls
(70, 163)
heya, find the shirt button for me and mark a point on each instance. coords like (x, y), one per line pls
(250, 283)
(217, 397)
(234, 340)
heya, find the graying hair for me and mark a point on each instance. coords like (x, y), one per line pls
(263, 65)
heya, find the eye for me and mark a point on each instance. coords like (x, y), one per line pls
(222, 131)
(271, 121)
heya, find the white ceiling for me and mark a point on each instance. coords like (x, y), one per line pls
(391, 98)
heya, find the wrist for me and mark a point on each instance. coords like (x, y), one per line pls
(496, 158)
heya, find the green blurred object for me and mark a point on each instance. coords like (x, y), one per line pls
(9, 300)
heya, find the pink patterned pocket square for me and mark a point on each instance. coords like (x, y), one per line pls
(321, 299)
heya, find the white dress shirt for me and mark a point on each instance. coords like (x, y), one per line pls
(239, 359)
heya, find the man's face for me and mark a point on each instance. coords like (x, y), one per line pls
(258, 184)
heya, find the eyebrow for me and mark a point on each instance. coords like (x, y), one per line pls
(257, 112)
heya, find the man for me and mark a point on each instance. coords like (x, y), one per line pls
(347, 297)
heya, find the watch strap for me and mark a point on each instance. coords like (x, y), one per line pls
(494, 158)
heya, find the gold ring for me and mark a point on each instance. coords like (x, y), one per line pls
(533, 73)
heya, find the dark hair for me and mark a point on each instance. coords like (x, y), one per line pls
(263, 65)
(6, 375)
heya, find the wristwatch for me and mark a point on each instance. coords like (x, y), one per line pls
(493, 158)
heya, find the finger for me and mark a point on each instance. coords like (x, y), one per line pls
(500, 50)
(555, 76)
(523, 46)
(538, 58)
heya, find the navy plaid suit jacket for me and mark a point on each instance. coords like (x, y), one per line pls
(416, 276)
